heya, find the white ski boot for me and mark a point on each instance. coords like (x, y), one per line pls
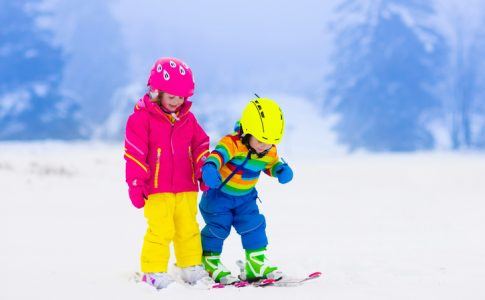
(196, 275)
(157, 280)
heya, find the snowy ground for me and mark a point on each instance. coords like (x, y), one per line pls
(378, 227)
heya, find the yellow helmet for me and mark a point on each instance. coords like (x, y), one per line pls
(263, 119)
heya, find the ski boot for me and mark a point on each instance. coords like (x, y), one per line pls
(157, 280)
(257, 267)
(196, 275)
(218, 272)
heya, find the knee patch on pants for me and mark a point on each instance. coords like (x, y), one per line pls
(216, 231)
(249, 223)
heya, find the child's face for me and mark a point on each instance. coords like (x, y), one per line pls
(258, 146)
(170, 102)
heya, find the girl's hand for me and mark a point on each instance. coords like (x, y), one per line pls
(138, 195)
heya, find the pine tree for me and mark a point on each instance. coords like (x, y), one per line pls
(385, 68)
(467, 90)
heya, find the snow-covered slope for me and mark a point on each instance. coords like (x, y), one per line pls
(378, 227)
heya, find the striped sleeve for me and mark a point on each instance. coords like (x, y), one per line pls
(273, 164)
(224, 152)
(136, 149)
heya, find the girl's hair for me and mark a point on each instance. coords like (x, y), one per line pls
(157, 99)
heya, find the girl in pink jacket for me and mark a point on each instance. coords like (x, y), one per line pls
(165, 148)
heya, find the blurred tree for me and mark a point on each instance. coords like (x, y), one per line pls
(385, 67)
(31, 104)
(467, 94)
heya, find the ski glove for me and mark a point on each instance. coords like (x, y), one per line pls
(138, 194)
(211, 176)
(284, 173)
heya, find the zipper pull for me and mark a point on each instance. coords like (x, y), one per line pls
(175, 116)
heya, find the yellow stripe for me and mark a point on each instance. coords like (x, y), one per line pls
(202, 154)
(157, 168)
(216, 157)
(192, 164)
(241, 184)
(136, 161)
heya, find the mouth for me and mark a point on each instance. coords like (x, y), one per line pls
(173, 107)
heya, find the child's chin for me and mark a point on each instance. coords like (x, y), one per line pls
(170, 109)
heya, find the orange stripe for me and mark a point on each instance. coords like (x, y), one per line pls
(192, 164)
(202, 154)
(136, 161)
(157, 168)
(219, 158)
(225, 171)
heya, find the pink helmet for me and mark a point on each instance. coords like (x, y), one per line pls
(172, 76)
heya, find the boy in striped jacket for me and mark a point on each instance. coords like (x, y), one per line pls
(231, 172)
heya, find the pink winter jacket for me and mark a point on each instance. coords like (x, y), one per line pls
(165, 157)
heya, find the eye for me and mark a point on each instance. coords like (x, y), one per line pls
(173, 64)
(159, 68)
(166, 76)
(182, 70)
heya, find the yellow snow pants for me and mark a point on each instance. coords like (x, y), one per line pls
(171, 217)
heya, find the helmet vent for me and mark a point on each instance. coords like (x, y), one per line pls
(260, 112)
(166, 76)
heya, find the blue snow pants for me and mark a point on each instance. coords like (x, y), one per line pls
(221, 211)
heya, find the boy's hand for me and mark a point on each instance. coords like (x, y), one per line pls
(211, 176)
(138, 194)
(284, 173)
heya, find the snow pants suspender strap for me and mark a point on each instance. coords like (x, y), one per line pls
(235, 171)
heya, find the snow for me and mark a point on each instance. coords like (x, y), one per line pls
(394, 226)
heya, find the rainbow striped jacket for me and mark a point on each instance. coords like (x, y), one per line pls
(230, 153)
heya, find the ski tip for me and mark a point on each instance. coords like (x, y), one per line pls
(240, 284)
(315, 274)
(218, 286)
(267, 281)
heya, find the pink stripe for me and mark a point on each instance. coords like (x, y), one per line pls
(133, 145)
